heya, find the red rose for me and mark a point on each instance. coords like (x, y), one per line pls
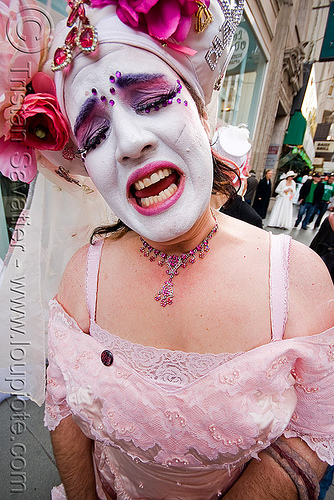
(40, 123)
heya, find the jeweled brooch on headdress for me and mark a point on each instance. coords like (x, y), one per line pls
(83, 36)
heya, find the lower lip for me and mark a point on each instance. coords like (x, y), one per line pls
(161, 206)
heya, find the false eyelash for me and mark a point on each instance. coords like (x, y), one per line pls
(162, 100)
(94, 141)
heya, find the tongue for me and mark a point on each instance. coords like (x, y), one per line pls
(156, 188)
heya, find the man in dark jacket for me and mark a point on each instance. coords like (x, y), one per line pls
(263, 194)
(252, 184)
(323, 242)
(239, 209)
(310, 195)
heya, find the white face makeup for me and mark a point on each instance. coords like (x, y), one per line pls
(147, 151)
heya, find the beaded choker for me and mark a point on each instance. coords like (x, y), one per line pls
(174, 262)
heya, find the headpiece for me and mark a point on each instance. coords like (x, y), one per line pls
(232, 144)
(291, 173)
(193, 37)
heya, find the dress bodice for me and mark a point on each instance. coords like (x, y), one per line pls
(185, 423)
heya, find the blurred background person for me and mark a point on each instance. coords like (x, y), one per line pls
(323, 205)
(263, 193)
(252, 184)
(282, 212)
(323, 242)
(310, 195)
(232, 144)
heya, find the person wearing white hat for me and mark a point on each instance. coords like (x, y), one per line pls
(166, 378)
(282, 211)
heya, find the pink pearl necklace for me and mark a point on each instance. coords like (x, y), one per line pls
(174, 262)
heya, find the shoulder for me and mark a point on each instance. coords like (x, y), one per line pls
(311, 293)
(72, 289)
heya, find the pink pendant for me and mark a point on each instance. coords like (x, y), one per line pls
(165, 294)
(60, 56)
(72, 17)
(85, 21)
(81, 11)
(70, 39)
(86, 38)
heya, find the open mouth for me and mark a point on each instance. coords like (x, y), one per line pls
(156, 188)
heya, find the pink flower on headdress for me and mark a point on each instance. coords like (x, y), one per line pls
(161, 19)
(38, 124)
(29, 113)
(42, 122)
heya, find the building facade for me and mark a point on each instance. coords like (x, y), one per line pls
(277, 45)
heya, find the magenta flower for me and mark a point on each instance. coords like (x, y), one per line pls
(161, 19)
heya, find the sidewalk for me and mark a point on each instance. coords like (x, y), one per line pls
(25, 447)
(28, 470)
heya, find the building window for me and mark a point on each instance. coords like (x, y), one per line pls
(240, 93)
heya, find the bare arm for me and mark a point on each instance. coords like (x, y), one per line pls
(266, 480)
(73, 453)
(72, 449)
(310, 312)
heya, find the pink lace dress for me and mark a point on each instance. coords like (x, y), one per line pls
(175, 425)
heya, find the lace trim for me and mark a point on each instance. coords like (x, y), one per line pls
(161, 365)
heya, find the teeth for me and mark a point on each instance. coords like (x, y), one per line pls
(163, 195)
(155, 177)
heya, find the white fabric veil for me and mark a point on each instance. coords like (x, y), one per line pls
(56, 222)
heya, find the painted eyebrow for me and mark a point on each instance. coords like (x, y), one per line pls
(85, 111)
(122, 82)
(134, 79)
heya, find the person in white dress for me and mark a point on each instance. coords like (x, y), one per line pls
(281, 214)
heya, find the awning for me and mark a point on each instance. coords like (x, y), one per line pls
(290, 156)
(296, 130)
(304, 156)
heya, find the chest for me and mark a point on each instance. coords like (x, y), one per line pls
(210, 311)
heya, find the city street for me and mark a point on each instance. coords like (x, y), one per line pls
(26, 448)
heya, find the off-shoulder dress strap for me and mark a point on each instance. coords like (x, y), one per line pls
(279, 283)
(92, 272)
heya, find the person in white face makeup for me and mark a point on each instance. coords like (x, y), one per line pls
(189, 355)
